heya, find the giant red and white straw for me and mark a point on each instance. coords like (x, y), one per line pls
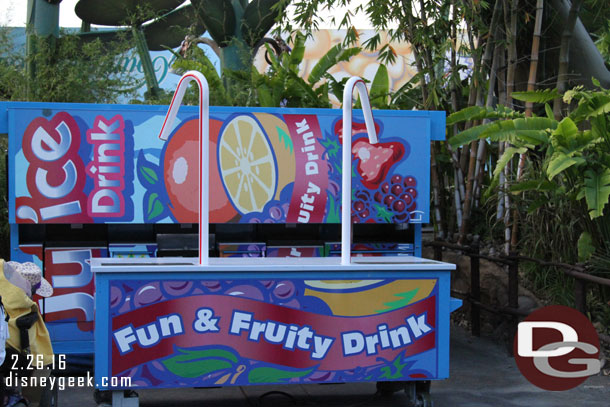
(204, 150)
(346, 187)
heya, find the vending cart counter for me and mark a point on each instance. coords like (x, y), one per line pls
(169, 322)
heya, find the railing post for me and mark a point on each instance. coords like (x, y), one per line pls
(475, 290)
(580, 295)
(513, 281)
(513, 298)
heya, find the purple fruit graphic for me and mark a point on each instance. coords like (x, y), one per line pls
(284, 290)
(246, 291)
(147, 295)
(116, 296)
(177, 288)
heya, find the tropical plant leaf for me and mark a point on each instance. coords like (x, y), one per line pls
(265, 97)
(218, 16)
(537, 96)
(559, 162)
(565, 132)
(603, 109)
(200, 62)
(303, 88)
(597, 191)
(480, 112)
(275, 375)
(529, 129)
(335, 55)
(380, 88)
(586, 248)
(258, 18)
(533, 185)
(537, 204)
(468, 135)
(505, 158)
(297, 53)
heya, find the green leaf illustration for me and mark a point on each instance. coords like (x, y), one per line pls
(334, 209)
(149, 174)
(274, 375)
(382, 213)
(154, 207)
(405, 299)
(196, 363)
(284, 138)
(394, 371)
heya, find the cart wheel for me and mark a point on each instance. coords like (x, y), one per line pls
(424, 400)
(103, 396)
(386, 389)
(49, 397)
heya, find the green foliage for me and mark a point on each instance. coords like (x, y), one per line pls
(67, 70)
(572, 158)
(541, 96)
(585, 247)
(280, 85)
(479, 113)
(259, 16)
(218, 17)
(238, 27)
(380, 88)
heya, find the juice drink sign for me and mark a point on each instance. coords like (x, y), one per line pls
(96, 164)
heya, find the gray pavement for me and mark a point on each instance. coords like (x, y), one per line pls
(482, 374)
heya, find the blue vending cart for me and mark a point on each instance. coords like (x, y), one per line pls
(85, 180)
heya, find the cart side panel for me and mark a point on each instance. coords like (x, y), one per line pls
(171, 330)
(79, 163)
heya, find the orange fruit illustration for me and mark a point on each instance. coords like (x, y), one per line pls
(256, 160)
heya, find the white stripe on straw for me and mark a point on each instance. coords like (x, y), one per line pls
(346, 187)
(204, 150)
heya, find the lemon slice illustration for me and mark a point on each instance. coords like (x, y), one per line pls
(247, 165)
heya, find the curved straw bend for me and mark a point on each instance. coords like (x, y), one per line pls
(204, 150)
(346, 186)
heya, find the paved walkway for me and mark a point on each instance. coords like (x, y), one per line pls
(482, 374)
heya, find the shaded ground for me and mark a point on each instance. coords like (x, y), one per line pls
(482, 374)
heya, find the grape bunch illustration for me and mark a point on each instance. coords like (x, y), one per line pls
(398, 196)
(362, 207)
(274, 211)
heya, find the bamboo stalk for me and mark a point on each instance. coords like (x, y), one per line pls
(475, 150)
(500, 205)
(531, 86)
(507, 228)
(493, 77)
(512, 53)
(458, 201)
(564, 56)
(436, 189)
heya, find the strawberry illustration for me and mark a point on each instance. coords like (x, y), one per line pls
(375, 160)
(357, 128)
